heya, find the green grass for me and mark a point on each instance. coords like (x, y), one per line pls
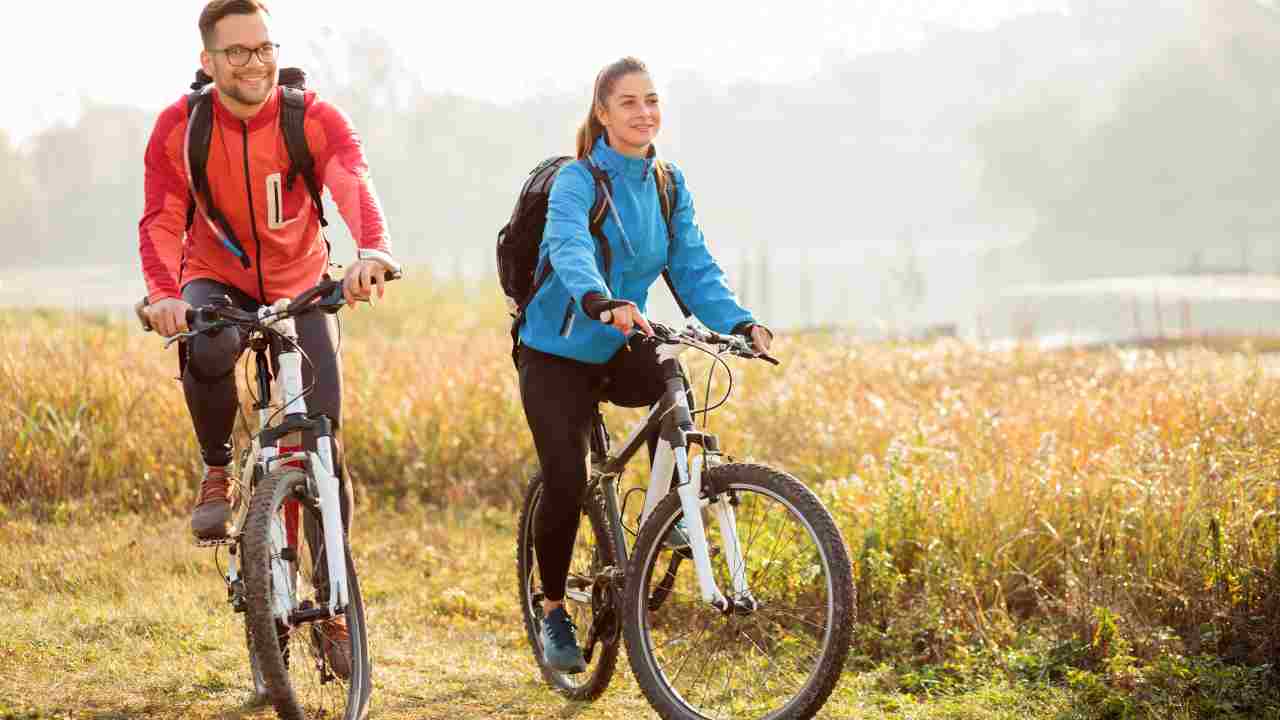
(124, 618)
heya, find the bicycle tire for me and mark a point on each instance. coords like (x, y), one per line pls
(265, 507)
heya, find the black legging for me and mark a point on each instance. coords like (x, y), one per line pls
(560, 396)
(208, 376)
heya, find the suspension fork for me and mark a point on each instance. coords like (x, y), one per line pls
(324, 474)
(677, 426)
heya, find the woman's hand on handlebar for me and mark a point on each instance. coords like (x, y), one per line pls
(626, 318)
(622, 315)
(761, 338)
(168, 316)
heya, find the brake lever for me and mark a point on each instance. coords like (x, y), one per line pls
(180, 336)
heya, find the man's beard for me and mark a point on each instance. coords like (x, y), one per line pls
(232, 90)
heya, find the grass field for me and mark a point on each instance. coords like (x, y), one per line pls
(1059, 535)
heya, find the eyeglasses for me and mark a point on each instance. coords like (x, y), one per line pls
(238, 55)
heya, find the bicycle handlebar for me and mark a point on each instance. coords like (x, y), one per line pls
(325, 296)
(692, 335)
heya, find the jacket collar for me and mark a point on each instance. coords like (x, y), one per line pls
(608, 158)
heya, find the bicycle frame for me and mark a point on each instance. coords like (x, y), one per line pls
(672, 420)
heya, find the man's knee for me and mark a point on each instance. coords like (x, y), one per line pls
(210, 358)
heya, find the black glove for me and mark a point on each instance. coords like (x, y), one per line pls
(594, 304)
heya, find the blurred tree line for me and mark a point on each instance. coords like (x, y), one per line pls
(1173, 167)
(1114, 125)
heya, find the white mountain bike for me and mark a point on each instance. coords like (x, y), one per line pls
(290, 569)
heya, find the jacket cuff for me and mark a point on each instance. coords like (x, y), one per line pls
(595, 293)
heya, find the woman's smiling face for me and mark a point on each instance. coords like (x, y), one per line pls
(631, 115)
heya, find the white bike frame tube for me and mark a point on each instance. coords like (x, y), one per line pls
(331, 512)
(290, 364)
(664, 464)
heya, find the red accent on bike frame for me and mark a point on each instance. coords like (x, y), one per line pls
(291, 507)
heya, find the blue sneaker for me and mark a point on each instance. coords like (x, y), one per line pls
(677, 537)
(560, 643)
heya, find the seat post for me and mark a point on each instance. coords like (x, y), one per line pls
(599, 438)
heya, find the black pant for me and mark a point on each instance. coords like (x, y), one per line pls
(208, 375)
(560, 397)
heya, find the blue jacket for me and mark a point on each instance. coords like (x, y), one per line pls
(641, 250)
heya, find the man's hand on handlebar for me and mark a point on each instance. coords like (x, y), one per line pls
(361, 278)
(168, 316)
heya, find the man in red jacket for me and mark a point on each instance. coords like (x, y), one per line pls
(281, 249)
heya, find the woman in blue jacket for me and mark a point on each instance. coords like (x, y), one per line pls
(565, 352)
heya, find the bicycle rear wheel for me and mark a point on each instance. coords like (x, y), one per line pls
(778, 659)
(311, 670)
(591, 601)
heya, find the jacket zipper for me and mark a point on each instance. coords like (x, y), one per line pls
(566, 327)
(253, 223)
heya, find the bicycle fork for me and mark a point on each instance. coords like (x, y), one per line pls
(673, 449)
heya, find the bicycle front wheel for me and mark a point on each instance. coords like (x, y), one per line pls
(780, 652)
(315, 668)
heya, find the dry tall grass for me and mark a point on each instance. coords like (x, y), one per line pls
(1121, 502)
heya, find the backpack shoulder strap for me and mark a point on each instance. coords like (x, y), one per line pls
(596, 216)
(667, 198)
(199, 135)
(293, 114)
(603, 188)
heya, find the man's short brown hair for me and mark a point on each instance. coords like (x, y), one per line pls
(218, 9)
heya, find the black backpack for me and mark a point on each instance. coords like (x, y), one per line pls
(520, 238)
(293, 110)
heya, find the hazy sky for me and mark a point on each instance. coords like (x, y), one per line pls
(500, 51)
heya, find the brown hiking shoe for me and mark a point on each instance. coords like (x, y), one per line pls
(212, 513)
(335, 641)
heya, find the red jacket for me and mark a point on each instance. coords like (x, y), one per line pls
(279, 229)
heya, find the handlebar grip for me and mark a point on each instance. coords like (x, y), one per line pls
(769, 359)
(390, 275)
